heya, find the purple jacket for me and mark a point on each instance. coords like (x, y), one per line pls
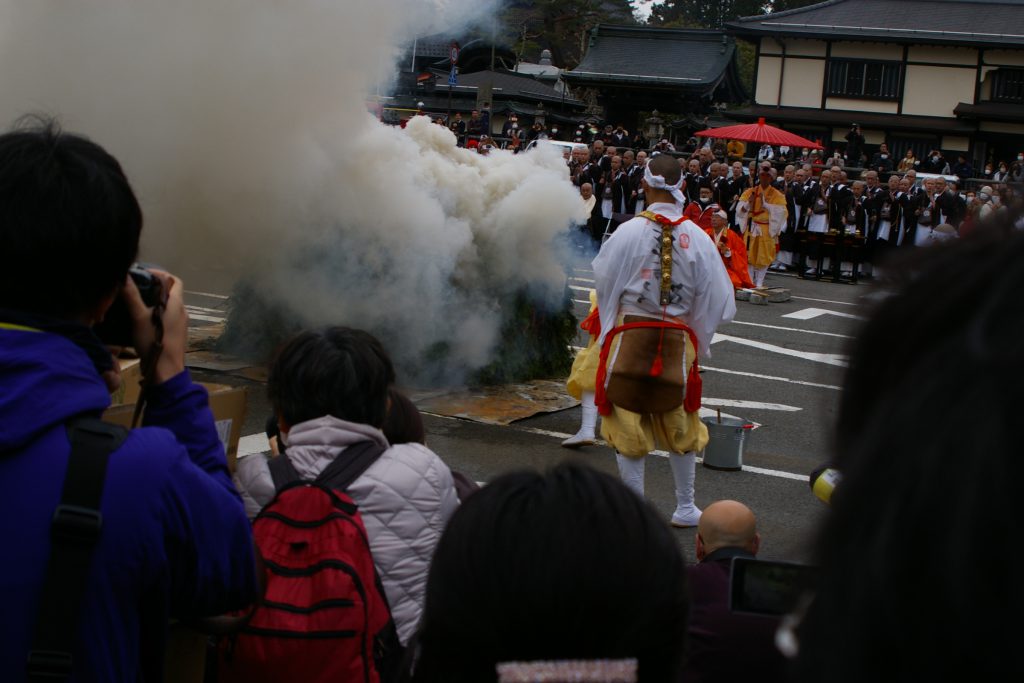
(721, 645)
(175, 540)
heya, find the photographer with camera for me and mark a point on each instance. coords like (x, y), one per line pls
(723, 644)
(115, 532)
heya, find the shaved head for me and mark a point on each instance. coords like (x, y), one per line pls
(727, 524)
(665, 166)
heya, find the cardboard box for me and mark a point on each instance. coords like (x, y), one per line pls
(227, 403)
(131, 375)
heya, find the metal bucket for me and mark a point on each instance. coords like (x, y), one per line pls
(725, 442)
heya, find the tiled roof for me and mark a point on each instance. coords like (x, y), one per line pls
(681, 57)
(511, 85)
(958, 22)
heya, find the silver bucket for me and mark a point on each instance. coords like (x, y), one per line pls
(725, 442)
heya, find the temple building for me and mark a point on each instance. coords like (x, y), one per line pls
(629, 71)
(915, 74)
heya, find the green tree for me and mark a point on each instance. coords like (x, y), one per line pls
(783, 5)
(562, 26)
(704, 14)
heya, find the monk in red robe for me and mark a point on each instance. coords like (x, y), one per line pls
(731, 247)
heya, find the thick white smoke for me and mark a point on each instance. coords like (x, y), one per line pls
(243, 125)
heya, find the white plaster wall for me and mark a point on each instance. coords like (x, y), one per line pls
(803, 81)
(767, 89)
(935, 91)
(854, 104)
(859, 50)
(942, 55)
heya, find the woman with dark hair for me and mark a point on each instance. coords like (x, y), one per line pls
(920, 559)
(568, 565)
(329, 389)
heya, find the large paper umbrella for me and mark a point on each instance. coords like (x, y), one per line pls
(759, 132)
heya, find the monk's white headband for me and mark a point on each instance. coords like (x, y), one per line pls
(657, 182)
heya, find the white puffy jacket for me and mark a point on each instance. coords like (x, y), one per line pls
(405, 499)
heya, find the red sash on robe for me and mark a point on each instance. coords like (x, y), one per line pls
(691, 400)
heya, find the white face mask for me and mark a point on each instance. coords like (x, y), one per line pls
(885, 156)
(554, 130)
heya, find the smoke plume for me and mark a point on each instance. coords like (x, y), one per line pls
(243, 126)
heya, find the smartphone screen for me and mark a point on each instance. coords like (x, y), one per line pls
(766, 587)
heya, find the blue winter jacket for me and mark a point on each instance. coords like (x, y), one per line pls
(175, 540)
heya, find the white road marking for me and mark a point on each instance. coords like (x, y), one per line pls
(212, 296)
(582, 279)
(791, 329)
(827, 301)
(752, 405)
(205, 318)
(772, 378)
(809, 313)
(257, 443)
(827, 358)
(204, 310)
(581, 301)
(580, 289)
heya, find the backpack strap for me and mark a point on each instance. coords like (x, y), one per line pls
(283, 472)
(338, 475)
(74, 533)
(350, 464)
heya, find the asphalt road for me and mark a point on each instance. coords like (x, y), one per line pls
(779, 366)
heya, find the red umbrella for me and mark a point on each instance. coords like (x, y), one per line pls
(759, 132)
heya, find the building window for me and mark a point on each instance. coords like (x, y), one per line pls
(1008, 86)
(864, 79)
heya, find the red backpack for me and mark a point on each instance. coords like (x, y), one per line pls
(324, 615)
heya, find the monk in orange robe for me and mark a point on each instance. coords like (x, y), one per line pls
(731, 247)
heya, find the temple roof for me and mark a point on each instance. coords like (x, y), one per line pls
(628, 55)
(508, 85)
(991, 23)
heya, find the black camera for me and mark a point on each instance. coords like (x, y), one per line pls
(766, 587)
(116, 328)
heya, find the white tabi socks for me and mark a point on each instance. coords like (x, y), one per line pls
(585, 436)
(757, 275)
(632, 472)
(684, 466)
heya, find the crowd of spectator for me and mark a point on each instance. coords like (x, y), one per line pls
(567, 565)
(476, 132)
(887, 203)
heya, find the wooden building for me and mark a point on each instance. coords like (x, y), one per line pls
(631, 70)
(920, 74)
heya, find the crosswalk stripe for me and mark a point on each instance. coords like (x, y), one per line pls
(790, 329)
(772, 378)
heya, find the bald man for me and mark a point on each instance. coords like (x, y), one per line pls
(726, 646)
